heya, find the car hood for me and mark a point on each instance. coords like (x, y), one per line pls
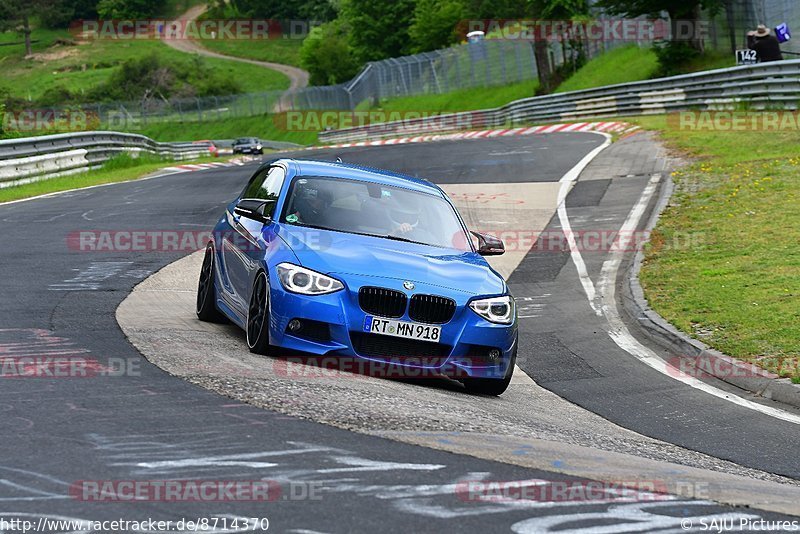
(342, 253)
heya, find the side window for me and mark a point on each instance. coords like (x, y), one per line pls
(266, 186)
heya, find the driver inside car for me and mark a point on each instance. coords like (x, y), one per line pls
(310, 206)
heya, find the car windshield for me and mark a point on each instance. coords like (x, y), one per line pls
(245, 140)
(367, 208)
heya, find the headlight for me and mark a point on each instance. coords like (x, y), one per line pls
(258, 147)
(305, 281)
(498, 310)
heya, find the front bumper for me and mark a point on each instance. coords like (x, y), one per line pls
(464, 349)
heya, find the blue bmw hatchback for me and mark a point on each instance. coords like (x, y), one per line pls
(333, 259)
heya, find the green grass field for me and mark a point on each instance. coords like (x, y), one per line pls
(263, 126)
(269, 127)
(86, 65)
(631, 64)
(736, 284)
(462, 100)
(120, 169)
(621, 65)
(286, 51)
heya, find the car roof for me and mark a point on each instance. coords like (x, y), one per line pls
(335, 169)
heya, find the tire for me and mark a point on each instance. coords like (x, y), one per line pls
(206, 308)
(257, 326)
(491, 386)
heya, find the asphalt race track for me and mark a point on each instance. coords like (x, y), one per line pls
(147, 424)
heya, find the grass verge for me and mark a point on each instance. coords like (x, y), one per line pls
(285, 51)
(263, 127)
(89, 63)
(723, 264)
(632, 64)
(120, 169)
(621, 65)
(462, 100)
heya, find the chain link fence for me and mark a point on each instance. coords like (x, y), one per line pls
(482, 64)
(487, 63)
(729, 26)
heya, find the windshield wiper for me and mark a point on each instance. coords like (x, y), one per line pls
(387, 236)
(403, 239)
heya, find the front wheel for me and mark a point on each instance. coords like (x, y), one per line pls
(206, 308)
(491, 386)
(258, 316)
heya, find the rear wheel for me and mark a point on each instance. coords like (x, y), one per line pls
(491, 386)
(206, 308)
(258, 316)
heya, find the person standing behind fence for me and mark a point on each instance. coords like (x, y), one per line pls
(765, 44)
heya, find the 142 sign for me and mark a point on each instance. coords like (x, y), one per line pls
(746, 57)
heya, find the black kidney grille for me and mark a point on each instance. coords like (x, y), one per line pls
(407, 351)
(431, 309)
(382, 301)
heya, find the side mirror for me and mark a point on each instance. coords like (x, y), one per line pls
(489, 245)
(252, 209)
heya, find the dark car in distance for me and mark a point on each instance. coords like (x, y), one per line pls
(248, 145)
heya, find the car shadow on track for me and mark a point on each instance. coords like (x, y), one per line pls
(300, 366)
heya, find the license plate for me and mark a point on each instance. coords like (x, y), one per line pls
(389, 327)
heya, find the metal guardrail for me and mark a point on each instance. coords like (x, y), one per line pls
(754, 87)
(39, 158)
(266, 143)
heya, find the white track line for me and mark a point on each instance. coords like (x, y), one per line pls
(567, 182)
(607, 307)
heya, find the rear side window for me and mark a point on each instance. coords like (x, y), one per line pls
(266, 185)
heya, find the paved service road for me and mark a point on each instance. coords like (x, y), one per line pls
(148, 425)
(298, 78)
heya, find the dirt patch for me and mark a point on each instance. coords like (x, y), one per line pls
(54, 54)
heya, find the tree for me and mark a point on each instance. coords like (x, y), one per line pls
(678, 10)
(66, 11)
(326, 55)
(317, 10)
(566, 10)
(17, 15)
(128, 9)
(436, 23)
(497, 9)
(378, 28)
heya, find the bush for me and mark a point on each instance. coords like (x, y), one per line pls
(127, 9)
(153, 77)
(673, 57)
(377, 29)
(56, 96)
(436, 24)
(327, 56)
(126, 160)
